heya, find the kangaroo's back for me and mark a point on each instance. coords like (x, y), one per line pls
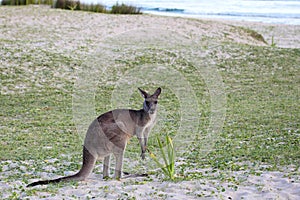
(109, 133)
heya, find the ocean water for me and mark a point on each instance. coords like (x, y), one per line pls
(269, 11)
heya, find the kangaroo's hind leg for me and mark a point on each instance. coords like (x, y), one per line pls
(106, 165)
(119, 164)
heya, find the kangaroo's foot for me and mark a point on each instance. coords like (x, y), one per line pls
(135, 175)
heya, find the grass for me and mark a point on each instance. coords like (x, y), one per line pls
(168, 166)
(254, 34)
(273, 44)
(124, 9)
(260, 133)
(261, 119)
(79, 6)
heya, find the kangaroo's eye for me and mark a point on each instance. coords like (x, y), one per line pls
(155, 102)
(148, 103)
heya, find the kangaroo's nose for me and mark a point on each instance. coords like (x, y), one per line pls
(151, 111)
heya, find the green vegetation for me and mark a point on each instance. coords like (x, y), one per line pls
(67, 4)
(168, 167)
(254, 34)
(77, 5)
(25, 2)
(273, 44)
(98, 8)
(124, 9)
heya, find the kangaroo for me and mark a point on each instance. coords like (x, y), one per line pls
(109, 133)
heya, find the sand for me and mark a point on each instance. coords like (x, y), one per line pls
(266, 185)
(71, 33)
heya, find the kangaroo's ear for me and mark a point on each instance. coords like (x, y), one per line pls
(144, 94)
(157, 92)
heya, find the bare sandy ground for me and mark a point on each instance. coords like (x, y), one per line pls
(267, 185)
(68, 32)
(284, 36)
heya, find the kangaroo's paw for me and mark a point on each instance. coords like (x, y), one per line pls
(135, 175)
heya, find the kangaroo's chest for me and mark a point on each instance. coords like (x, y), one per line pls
(150, 121)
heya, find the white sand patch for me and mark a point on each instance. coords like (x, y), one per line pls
(268, 185)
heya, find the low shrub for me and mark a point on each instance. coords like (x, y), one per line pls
(99, 8)
(76, 5)
(67, 4)
(125, 9)
(25, 2)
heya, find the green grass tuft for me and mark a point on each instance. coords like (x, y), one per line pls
(125, 9)
(168, 167)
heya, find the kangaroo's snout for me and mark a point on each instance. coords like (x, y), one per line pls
(152, 111)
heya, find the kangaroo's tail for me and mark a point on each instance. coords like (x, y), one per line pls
(45, 182)
(86, 169)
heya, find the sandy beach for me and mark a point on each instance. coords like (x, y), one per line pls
(81, 33)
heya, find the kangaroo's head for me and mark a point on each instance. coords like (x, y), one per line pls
(150, 102)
